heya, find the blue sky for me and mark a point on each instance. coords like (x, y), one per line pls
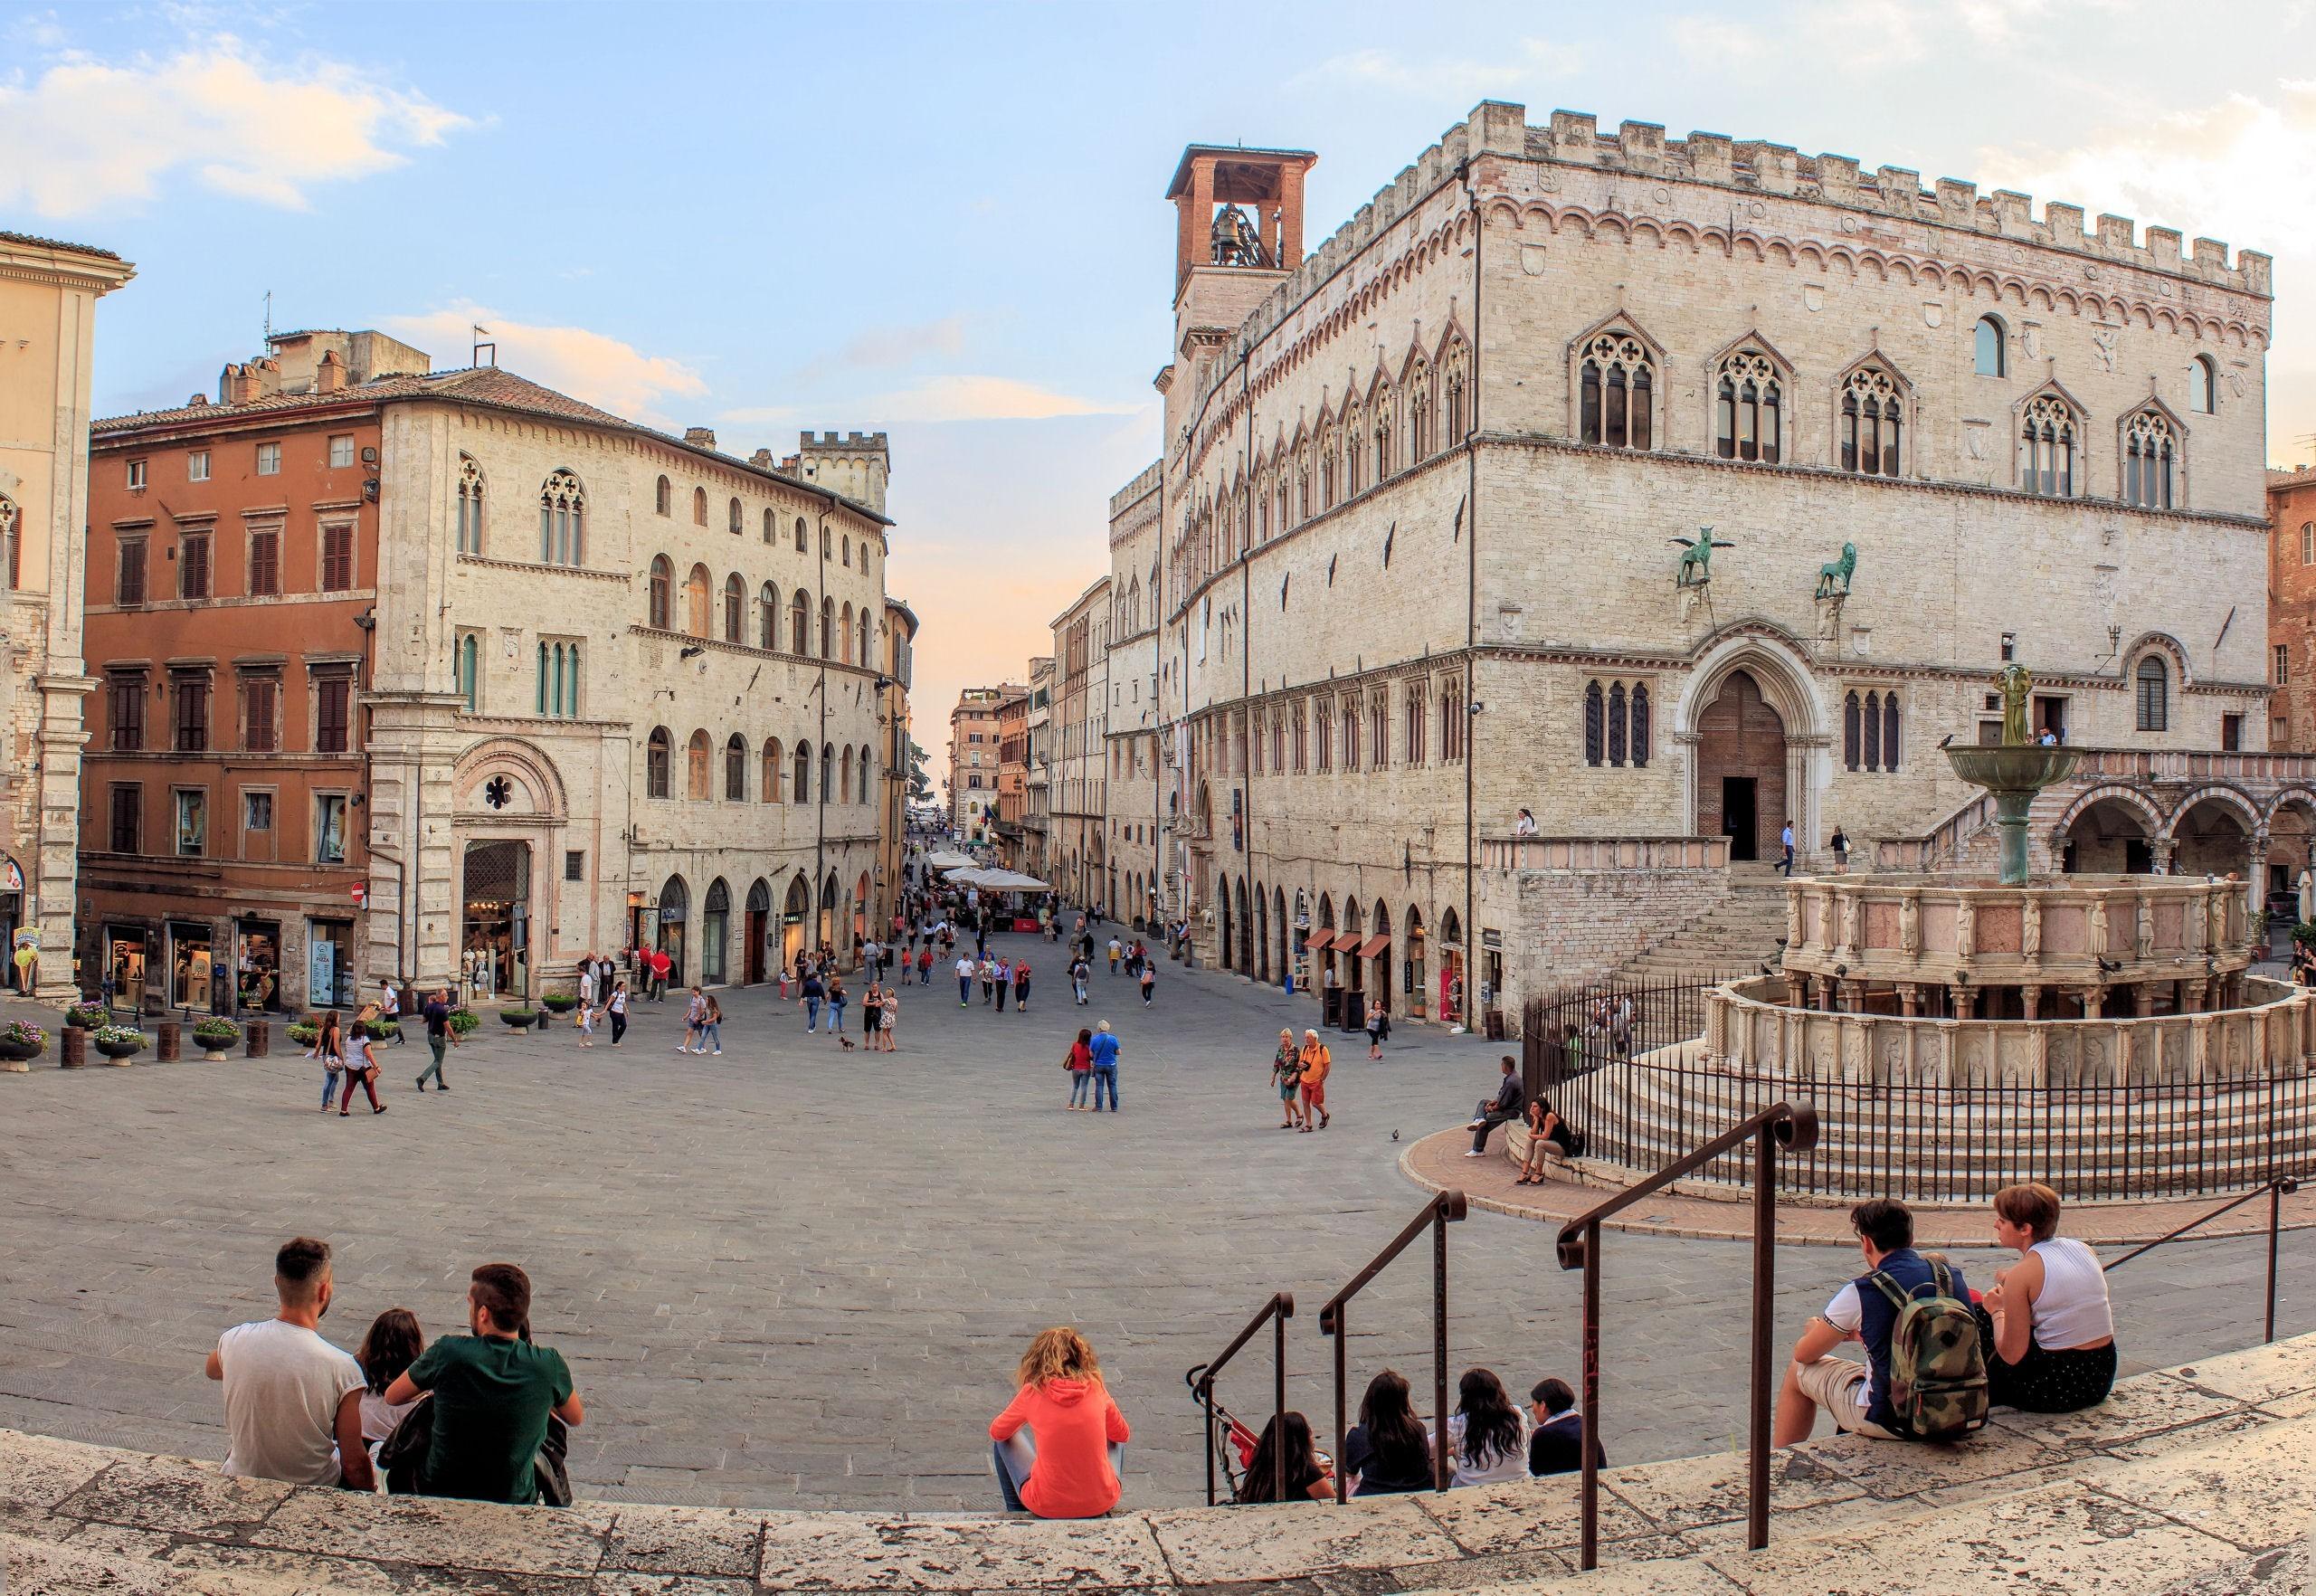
(947, 220)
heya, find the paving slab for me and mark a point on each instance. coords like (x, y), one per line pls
(861, 1552)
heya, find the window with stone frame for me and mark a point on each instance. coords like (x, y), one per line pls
(192, 806)
(1327, 469)
(1354, 448)
(1870, 730)
(2308, 543)
(1350, 734)
(737, 518)
(804, 543)
(697, 602)
(2050, 446)
(193, 563)
(1749, 407)
(774, 782)
(471, 486)
(265, 561)
(2150, 460)
(563, 521)
(696, 767)
(2152, 684)
(333, 694)
(768, 617)
(125, 699)
(1419, 386)
(2203, 385)
(664, 500)
(735, 769)
(1455, 389)
(658, 756)
(11, 545)
(470, 670)
(128, 579)
(260, 710)
(735, 610)
(700, 507)
(558, 678)
(801, 763)
(338, 558)
(189, 691)
(128, 818)
(1418, 713)
(1278, 742)
(1871, 422)
(1452, 729)
(800, 622)
(1616, 387)
(661, 613)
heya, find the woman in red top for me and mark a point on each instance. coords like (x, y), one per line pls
(1062, 1440)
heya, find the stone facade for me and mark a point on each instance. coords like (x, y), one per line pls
(973, 761)
(893, 721)
(1037, 781)
(1418, 493)
(1081, 638)
(1136, 752)
(2292, 609)
(47, 322)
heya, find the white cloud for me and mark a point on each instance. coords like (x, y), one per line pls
(2242, 169)
(605, 372)
(1524, 63)
(1710, 41)
(86, 133)
(955, 397)
(898, 344)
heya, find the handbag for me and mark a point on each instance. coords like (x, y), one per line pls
(402, 1451)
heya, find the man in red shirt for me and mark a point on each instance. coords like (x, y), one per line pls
(661, 966)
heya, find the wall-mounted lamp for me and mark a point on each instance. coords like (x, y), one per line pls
(691, 651)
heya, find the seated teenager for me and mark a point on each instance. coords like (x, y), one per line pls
(1549, 1138)
(392, 1345)
(1059, 1444)
(1308, 1477)
(1487, 1438)
(494, 1392)
(1857, 1395)
(1500, 1109)
(1556, 1446)
(2050, 1332)
(1387, 1450)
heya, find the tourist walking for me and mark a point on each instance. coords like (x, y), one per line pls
(1078, 974)
(891, 1019)
(363, 1069)
(587, 1014)
(617, 1009)
(1379, 1027)
(1287, 1077)
(438, 1037)
(814, 991)
(925, 963)
(1785, 842)
(988, 981)
(1104, 1049)
(964, 980)
(711, 1029)
(694, 1020)
(1118, 952)
(835, 1006)
(1318, 1063)
(390, 1010)
(1004, 972)
(1841, 851)
(329, 1047)
(1081, 1065)
(1021, 987)
(1149, 981)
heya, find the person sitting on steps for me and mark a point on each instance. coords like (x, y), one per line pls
(1058, 1446)
(2047, 1323)
(1500, 1109)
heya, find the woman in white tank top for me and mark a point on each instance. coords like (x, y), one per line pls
(2050, 1334)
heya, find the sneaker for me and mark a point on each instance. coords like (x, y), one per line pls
(422, 1083)
(720, 1052)
(1472, 1155)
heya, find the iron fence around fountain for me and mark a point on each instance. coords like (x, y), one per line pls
(1640, 1104)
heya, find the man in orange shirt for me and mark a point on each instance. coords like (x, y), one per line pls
(1317, 1062)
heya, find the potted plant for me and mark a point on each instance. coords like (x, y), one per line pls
(463, 1020)
(559, 1003)
(383, 1029)
(21, 1042)
(87, 1016)
(216, 1035)
(304, 1032)
(520, 1018)
(119, 1042)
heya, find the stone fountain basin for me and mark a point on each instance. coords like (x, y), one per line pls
(2012, 768)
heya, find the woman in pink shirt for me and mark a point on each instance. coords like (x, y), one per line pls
(1062, 1440)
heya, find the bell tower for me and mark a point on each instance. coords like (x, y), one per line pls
(1238, 231)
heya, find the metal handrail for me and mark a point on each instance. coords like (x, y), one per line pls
(2275, 1191)
(1275, 1313)
(1780, 1124)
(1436, 1215)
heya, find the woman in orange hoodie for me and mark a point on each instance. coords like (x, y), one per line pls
(1062, 1440)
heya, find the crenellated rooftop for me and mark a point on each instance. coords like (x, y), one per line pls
(1141, 487)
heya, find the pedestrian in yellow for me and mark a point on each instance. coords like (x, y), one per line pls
(1316, 1063)
(1287, 1075)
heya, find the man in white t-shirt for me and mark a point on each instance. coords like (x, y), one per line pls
(293, 1403)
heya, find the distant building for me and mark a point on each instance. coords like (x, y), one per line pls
(47, 312)
(893, 722)
(1081, 646)
(973, 761)
(1012, 776)
(2291, 611)
(1037, 807)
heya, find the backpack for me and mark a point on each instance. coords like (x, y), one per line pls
(1938, 1365)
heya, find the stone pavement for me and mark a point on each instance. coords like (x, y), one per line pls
(793, 1277)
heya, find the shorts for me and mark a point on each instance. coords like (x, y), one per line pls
(1315, 1096)
(1286, 1090)
(1838, 1386)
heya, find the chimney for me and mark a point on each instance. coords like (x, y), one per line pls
(761, 459)
(329, 376)
(238, 384)
(700, 437)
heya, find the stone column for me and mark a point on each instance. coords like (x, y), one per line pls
(1961, 997)
(2143, 999)
(2032, 997)
(2255, 873)
(2095, 1003)
(1909, 1000)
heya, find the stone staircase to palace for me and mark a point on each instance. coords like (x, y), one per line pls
(1734, 937)
(2185, 1482)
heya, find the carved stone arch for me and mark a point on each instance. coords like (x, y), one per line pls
(2229, 796)
(2174, 652)
(2302, 798)
(1779, 251)
(1755, 357)
(1683, 232)
(1749, 246)
(1503, 207)
(2040, 298)
(1624, 325)
(2151, 815)
(1649, 230)
(538, 790)
(1778, 664)
(1814, 252)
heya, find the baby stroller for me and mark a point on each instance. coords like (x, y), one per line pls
(1226, 1440)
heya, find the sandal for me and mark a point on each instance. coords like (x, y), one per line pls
(381, 1108)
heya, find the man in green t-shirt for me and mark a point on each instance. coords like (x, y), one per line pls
(493, 1391)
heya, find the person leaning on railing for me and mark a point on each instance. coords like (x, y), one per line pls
(2049, 1330)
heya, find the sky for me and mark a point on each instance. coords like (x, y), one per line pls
(947, 222)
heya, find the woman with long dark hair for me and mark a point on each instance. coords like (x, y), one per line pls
(393, 1346)
(1308, 1477)
(1487, 1437)
(329, 1047)
(1387, 1450)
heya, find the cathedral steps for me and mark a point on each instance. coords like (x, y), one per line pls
(1734, 937)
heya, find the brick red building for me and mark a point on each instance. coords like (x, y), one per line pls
(2292, 609)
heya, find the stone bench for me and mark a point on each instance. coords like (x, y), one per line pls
(2186, 1475)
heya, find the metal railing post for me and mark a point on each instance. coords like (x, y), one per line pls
(1279, 1407)
(1206, 1404)
(2275, 1222)
(1439, 1340)
(1342, 1436)
(1588, 1478)
(1757, 1468)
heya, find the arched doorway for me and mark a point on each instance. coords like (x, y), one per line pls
(2113, 834)
(2211, 835)
(496, 925)
(1322, 936)
(1347, 944)
(1246, 932)
(1378, 948)
(1413, 972)
(1262, 934)
(793, 913)
(860, 909)
(715, 916)
(1740, 770)
(758, 932)
(675, 910)
(826, 927)
(1223, 942)
(1451, 967)
(1284, 932)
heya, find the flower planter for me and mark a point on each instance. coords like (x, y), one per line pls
(520, 1018)
(214, 1041)
(17, 1056)
(117, 1052)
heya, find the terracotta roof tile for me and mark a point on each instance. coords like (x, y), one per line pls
(54, 243)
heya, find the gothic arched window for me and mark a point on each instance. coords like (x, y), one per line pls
(563, 521)
(1871, 420)
(768, 617)
(735, 609)
(802, 765)
(470, 505)
(1747, 408)
(700, 507)
(1456, 391)
(696, 601)
(663, 580)
(1987, 352)
(799, 623)
(774, 773)
(1616, 393)
(656, 756)
(1639, 726)
(667, 496)
(2153, 694)
(696, 767)
(1617, 723)
(735, 769)
(734, 516)
(1889, 731)
(2048, 441)
(2150, 460)
(1851, 712)
(1595, 727)
(2203, 385)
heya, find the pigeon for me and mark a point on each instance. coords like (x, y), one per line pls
(1395, 1135)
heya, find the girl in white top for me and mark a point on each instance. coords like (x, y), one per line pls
(1487, 1435)
(2050, 1332)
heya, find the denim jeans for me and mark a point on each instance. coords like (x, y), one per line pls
(965, 990)
(329, 1084)
(1014, 1459)
(1081, 1082)
(835, 1017)
(1106, 1078)
(711, 1035)
(435, 1068)
(811, 1013)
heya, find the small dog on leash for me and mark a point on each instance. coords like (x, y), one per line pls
(845, 1039)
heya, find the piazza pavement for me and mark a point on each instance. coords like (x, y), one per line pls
(798, 1277)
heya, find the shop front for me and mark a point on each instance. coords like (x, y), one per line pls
(11, 910)
(712, 920)
(495, 925)
(257, 965)
(675, 911)
(192, 964)
(330, 982)
(126, 948)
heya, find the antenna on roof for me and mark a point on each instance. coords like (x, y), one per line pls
(482, 336)
(269, 319)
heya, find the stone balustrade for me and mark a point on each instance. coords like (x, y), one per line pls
(1750, 1029)
(1604, 853)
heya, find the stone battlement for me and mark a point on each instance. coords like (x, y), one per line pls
(1141, 487)
(2187, 1474)
(845, 440)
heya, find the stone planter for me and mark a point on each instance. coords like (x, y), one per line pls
(16, 1058)
(214, 1046)
(120, 1052)
(519, 1018)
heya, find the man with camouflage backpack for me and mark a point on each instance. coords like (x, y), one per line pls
(1924, 1377)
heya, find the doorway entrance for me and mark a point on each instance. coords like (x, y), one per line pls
(496, 928)
(1741, 819)
(791, 923)
(759, 931)
(675, 909)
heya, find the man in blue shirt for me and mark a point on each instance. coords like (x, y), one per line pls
(1857, 1395)
(1105, 1050)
